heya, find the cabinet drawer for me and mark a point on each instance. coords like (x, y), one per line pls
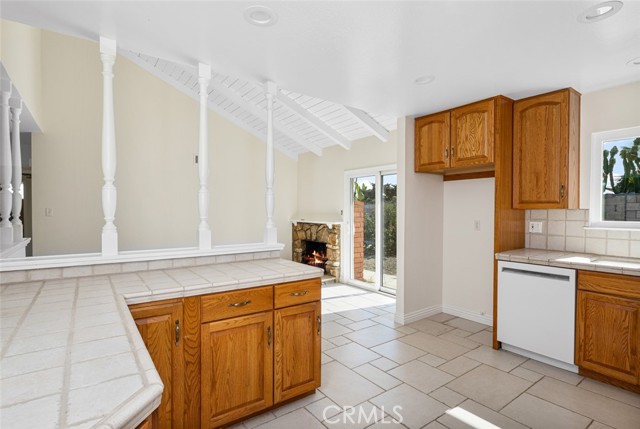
(287, 294)
(237, 303)
(614, 284)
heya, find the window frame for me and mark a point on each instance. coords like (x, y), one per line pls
(595, 202)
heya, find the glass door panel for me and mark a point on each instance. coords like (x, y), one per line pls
(389, 277)
(363, 252)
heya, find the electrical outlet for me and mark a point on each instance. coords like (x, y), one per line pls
(535, 227)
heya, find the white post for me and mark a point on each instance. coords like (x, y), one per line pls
(270, 232)
(6, 229)
(16, 153)
(204, 231)
(109, 230)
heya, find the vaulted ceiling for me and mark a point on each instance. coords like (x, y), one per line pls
(325, 55)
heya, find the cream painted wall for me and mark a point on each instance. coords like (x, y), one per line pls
(605, 110)
(470, 289)
(157, 179)
(20, 53)
(321, 179)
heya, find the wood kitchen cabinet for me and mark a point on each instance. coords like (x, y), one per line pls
(546, 151)
(462, 139)
(159, 324)
(608, 328)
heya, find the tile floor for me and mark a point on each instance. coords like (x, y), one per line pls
(371, 365)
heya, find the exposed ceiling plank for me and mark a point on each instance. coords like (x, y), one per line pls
(314, 121)
(371, 124)
(262, 114)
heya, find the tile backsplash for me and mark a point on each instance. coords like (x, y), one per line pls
(564, 230)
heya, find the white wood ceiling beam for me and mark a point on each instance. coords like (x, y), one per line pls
(313, 120)
(369, 123)
(259, 112)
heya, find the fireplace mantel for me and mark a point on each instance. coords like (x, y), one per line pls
(321, 219)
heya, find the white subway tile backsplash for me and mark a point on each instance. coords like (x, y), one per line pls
(617, 235)
(575, 228)
(538, 241)
(618, 248)
(596, 245)
(575, 244)
(555, 242)
(634, 249)
(595, 233)
(556, 227)
(557, 215)
(538, 214)
(576, 214)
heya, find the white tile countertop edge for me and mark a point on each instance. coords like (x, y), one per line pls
(576, 261)
(23, 302)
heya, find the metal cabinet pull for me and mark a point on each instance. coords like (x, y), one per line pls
(177, 332)
(303, 293)
(319, 324)
(561, 191)
(453, 151)
(269, 337)
(446, 153)
(240, 304)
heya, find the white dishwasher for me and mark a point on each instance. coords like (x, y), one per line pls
(536, 312)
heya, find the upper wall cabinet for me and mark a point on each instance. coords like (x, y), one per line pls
(432, 142)
(546, 151)
(462, 139)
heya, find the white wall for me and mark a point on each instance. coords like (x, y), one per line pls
(420, 235)
(468, 253)
(156, 178)
(608, 109)
(321, 178)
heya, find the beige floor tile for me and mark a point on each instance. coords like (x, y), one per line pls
(482, 337)
(333, 329)
(324, 358)
(431, 327)
(359, 417)
(377, 376)
(466, 325)
(539, 414)
(361, 325)
(356, 315)
(459, 366)
(598, 425)
(340, 341)
(398, 351)
(298, 403)
(344, 386)
(553, 372)
(417, 409)
(490, 387)
(323, 409)
(447, 396)
(460, 332)
(434, 425)
(295, 420)
(484, 413)
(326, 345)
(432, 360)
(526, 374)
(441, 317)
(460, 340)
(387, 423)
(611, 392)
(258, 420)
(383, 363)
(352, 355)
(421, 376)
(374, 335)
(434, 345)
(500, 359)
(581, 401)
(405, 329)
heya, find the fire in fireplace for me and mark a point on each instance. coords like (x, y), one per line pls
(315, 253)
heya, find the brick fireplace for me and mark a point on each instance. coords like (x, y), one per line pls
(308, 241)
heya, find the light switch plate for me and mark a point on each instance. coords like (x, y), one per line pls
(535, 227)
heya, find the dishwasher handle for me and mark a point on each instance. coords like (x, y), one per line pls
(536, 274)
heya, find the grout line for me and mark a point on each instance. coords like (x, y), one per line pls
(21, 321)
(66, 380)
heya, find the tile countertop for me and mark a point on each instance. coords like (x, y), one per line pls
(577, 261)
(71, 355)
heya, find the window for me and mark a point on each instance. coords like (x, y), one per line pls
(615, 179)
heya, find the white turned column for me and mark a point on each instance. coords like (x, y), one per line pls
(270, 232)
(109, 230)
(204, 231)
(6, 228)
(16, 153)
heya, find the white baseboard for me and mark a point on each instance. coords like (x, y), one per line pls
(403, 319)
(469, 315)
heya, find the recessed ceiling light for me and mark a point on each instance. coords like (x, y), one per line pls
(260, 15)
(634, 62)
(423, 80)
(600, 11)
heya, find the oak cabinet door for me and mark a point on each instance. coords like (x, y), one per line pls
(607, 335)
(546, 151)
(237, 368)
(472, 134)
(432, 142)
(297, 350)
(159, 325)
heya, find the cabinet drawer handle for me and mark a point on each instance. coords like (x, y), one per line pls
(177, 332)
(269, 337)
(446, 153)
(561, 191)
(240, 304)
(453, 151)
(303, 293)
(319, 324)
